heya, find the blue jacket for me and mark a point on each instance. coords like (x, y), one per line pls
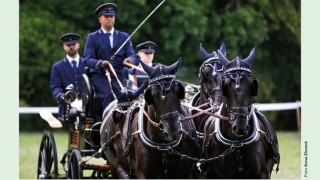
(97, 49)
(62, 75)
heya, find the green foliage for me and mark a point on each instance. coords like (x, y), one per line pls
(178, 27)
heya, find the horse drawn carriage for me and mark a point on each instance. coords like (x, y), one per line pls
(83, 118)
(162, 135)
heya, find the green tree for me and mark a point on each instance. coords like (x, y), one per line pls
(178, 27)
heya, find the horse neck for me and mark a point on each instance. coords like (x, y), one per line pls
(203, 98)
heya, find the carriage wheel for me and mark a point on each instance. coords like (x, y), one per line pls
(74, 168)
(47, 159)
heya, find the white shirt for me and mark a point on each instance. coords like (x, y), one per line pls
(76, 59)
(111, 36)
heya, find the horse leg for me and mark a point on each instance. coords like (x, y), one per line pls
(140, 175)
(264, 171)
(264, 174)
(122, 173)
(122, 166)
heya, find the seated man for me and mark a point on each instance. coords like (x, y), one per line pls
(105, 47)
(67, 71)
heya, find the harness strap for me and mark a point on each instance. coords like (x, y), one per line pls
(109, 80)
(270, 139)
(201, 111)
(115, 75)
(135, 79)
(121, 111)
(152, 122)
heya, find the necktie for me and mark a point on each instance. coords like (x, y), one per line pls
(108, 39)
(74, 65)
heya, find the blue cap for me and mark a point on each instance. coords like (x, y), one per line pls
(147, 47)
(70, 38)
(108, 9)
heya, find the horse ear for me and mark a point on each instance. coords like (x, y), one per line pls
(250, 58)
(203, 52)
(173, 68)
(223, 48)
(224, 61)
(148, 69)
(139, 91)
(147, 96)
(255, 87)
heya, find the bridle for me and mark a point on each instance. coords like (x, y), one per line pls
(164, 87)
(237, 74)
(217, 67)
(158, 81)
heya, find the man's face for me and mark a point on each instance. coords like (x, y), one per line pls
(71, 49)
(107, 21)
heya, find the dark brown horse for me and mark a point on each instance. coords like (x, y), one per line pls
(114, 118)
(210, 96)
(246, 145)
(158, 144)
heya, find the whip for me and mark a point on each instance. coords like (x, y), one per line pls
(137, 28)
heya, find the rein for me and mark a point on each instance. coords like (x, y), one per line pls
(155, 124)
(201, 111)
(123, 89)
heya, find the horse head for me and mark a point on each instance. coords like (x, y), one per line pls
(238, 87)
(164, 94)
(210, 74)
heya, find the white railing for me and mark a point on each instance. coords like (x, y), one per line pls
(261, 107)
(36, 110)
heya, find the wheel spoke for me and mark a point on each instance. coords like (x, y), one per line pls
(47, 159)
(74, 170)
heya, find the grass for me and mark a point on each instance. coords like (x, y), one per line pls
(290, 151)
(29, 144)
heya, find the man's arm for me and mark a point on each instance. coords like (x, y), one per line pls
(56, 83)
(90, 54)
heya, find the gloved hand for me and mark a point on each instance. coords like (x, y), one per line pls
(60, 98)
(105, 64)
(128, 60)
(137, 61)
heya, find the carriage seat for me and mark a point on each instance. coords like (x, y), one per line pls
(90, 102)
